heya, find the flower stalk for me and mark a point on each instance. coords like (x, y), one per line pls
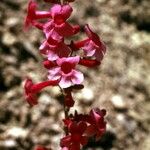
(62, 61)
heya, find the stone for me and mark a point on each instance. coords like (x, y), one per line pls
(8, 39)
(86, 95)
(45, 99)
(10, 143)
(17, 132)
(11, 22)
(118, 102)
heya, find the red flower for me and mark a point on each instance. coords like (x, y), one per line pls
(32, 89)
(76, 137)
(32, 14)
(53, 50)
(93, 46)
(97, 124)
(57, 30)
(61, 13)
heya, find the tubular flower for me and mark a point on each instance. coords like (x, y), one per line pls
(33, 14)
(55, 50)
(76, 137)
(61, 13)
(93, 46)
(97, 124)
(58, 30)
(66, 72)
(32, 89)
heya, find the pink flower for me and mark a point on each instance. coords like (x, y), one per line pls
(76, 137)
(51, 33)
(54, 50)
(57, 28)
(66, 72)
(97, 124)
(61, 13)
(32, 89)
(93, 46)
(32, 14)
(57, 31)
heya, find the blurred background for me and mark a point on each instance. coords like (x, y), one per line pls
(121, 84)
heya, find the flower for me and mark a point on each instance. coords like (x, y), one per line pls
(32, 89)
(58, 29)
(92, 46)
(54, 50)
(32, 14)
(76, 136)
(66, 72)
(29, 95)
(61, 13)
(97, 124)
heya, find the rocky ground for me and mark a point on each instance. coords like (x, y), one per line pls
(121, 85)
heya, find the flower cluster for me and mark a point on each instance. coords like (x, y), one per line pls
(81, 127)
(62, 60)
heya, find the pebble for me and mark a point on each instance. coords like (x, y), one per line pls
(121, 118)
(9, 39)
(55, 91)
(86, 95)
(11, 22)
(45, 99)
(10, 143)
(17, 132)
(101, 1)
(118, 102)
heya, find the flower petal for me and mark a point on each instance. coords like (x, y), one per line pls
(77, 77)
(54, 73)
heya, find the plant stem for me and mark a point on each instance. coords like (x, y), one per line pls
(66, 110)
